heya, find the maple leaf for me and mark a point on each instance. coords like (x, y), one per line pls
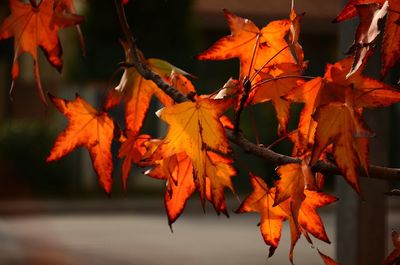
(132, 150)
(391, 38)
(34, 26)
(367, 32)
(309, 94)
(219, 172)
(273, 89)
(294, 34)
(394, 256)
(254, 47)
(335, 97)
(262, 201)
(308, 218)
(194, 128)
(341, 126)
(137, 91)
(65, 10)
(350, 11)
(177, 170)
(302, 211)
(290, 185)
(86, 128)
(327, 260)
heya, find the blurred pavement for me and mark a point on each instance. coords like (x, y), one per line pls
(135, 231)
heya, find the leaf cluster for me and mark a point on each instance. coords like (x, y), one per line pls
(196, 154)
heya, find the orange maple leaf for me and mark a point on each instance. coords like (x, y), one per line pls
(219, 172)
(254, 47)
(65, 10)
(290, 185)
(308, 218)
(327, 260)
(262, 201)
(309, 94)
(132, 150)
(36, 25)
(86, 128)
(295, 47)
(137, 91)
(271, 88)
(343, 127)
(194, 128)
(335, 97)
(302, 204)
(177, 170)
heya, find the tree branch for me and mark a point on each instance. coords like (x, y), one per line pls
(141, 67)
(376, 172)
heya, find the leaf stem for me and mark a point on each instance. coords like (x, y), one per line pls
(277, 141)
(253, 55)
(262, 82)
(267, 62)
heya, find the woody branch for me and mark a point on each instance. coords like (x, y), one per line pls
(237, 138)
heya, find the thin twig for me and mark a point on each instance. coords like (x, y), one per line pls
(267, 62)
(262, 82)
(277, 141)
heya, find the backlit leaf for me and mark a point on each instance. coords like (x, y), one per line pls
(33, 27)
(87, 128)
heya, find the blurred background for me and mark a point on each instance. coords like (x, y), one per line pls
(58, 214)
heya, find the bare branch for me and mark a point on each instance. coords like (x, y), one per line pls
(376, 172)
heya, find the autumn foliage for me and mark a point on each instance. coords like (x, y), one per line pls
(195, 154)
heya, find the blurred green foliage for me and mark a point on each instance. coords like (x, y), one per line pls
(24, 146)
